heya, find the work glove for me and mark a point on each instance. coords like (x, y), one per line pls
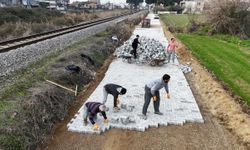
(167, 96)
(154, 98)
(96, 126)
(106, 121)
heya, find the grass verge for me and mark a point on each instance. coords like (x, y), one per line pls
(180, 20)
(228, 59)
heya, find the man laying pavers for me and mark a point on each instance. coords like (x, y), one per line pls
(152, 90)
(90, 111)
(114, 90)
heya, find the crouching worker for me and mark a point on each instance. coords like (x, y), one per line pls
(152, 91)
(114, 90)
(90, 111)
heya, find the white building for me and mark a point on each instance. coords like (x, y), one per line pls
(192, 6)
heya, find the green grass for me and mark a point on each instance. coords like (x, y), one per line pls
(10, 141)
(180, 20)
(227, 57)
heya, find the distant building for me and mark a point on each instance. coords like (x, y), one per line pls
(10, 2)
(192, 6)
(85, 5)
(108, 6)
(95, 1)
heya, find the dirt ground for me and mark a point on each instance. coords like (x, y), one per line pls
(225, 127)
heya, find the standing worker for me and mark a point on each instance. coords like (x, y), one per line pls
(152, 90)
(171, 49)
(90, 111)
(135, 45)
(114, 90)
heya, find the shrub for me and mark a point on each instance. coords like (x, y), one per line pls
(39, 28)
(229, 17)
(176, 8)
(7, 17)
(61, 21)
(37, 15)
(6, 28)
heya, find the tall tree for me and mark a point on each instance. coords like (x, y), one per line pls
(134, 3)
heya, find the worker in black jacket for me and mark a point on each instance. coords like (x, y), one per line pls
(90, 111)
(114, 90)
(135, 45)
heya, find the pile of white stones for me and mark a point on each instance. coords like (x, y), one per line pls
(148, 50)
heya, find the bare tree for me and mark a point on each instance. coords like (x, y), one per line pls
(229, 16)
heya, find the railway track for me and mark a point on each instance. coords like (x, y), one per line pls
(12, 44)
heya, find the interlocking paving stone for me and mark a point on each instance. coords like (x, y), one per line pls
(178, 110)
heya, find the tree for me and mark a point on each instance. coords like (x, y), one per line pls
(229, 17)
(164, 2)
(134, 3)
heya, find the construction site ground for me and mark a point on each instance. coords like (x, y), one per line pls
(225, 126)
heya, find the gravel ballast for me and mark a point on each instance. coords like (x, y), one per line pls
(22, 57)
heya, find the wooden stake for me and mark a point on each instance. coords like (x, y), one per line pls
(61, 86)
(76, 90)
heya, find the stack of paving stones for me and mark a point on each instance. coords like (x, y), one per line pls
(148, 50)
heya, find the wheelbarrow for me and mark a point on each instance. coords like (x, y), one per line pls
(157, 62)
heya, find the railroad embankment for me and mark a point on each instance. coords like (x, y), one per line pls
(30, 106)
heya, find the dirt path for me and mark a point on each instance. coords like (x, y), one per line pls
(218, 108)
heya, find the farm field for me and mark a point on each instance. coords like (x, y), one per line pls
(180, 20)
(227, 60)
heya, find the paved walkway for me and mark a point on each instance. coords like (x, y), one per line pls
(181, 108)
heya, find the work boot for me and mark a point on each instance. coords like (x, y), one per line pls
(116, 109)
(158, 113)
(144, 117)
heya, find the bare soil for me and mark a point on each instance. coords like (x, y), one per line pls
(225, 127)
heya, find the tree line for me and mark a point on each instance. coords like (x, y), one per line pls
(157, 2)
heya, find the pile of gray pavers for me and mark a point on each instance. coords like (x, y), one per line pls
(186, 68)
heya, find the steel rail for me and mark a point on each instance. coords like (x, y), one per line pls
(8, 45)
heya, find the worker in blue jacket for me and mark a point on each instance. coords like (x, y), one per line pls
(152, 91)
